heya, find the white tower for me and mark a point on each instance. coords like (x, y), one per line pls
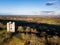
(11, 27)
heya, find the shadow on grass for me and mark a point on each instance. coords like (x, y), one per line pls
(41, 27)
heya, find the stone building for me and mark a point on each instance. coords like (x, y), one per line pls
(11, 27)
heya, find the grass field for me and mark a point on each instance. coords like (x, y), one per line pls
(31, 31)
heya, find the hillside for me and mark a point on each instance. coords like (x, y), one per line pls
(30, 31)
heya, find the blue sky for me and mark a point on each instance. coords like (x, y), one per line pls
(28, 6)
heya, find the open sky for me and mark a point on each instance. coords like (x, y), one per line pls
(29, 7)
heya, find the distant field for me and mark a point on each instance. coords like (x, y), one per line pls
(39, 19)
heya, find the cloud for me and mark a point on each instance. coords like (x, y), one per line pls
(51, 2)
(47, 12)
(57, 13)
(31, 13)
